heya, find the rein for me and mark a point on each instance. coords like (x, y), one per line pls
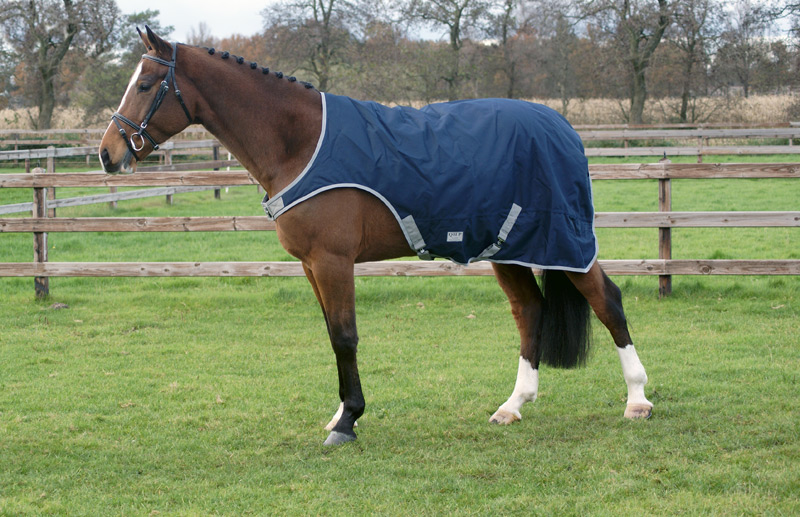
(141, 129)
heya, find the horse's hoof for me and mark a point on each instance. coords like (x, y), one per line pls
(501, 416)
(638, 411)
(337, 438)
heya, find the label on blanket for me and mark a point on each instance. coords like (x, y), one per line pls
(455, 236)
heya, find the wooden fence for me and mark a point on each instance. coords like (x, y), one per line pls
(688, 140)
(665, 219)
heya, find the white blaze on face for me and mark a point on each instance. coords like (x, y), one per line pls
(131, 84)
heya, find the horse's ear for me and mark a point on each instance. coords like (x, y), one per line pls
(153, 42)
(147, 44)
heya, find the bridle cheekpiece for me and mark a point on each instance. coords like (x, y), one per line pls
(141, 129)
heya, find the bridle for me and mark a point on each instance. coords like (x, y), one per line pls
(141, 131)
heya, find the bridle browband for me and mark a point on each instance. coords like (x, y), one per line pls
(141, 131)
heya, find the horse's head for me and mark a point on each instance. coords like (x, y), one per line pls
(149, 113)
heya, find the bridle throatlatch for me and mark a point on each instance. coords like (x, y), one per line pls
(141, 129)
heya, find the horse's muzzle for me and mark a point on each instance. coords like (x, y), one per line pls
(121, 167)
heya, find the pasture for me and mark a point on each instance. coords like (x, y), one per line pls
(208, 396)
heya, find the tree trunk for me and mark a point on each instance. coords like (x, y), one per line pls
(47, 103)
(687, 84)
(510, 92)
(638, 95)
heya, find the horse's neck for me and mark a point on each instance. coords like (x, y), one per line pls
(269, 124)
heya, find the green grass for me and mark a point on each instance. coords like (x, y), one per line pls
(207, 396)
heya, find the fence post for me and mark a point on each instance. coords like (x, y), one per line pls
(51, 167)
(215, 157)
(112, 204)
(664, 235)
(41, 284)
(168, 161)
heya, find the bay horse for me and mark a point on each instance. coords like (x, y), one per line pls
(274, 125)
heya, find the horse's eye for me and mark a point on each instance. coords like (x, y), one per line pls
(144, 87)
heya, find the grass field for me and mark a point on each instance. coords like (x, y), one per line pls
(208, 396)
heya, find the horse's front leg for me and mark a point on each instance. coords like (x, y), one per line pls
(332, 280)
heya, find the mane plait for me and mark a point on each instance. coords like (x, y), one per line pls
(254, 66)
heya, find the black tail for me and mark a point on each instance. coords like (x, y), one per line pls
(565, 323)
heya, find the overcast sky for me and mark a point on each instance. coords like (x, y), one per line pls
(223, 17)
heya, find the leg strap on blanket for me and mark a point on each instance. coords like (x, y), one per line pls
(502, 235)
(417, 242)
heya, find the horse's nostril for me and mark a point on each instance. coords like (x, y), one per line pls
(104, 158)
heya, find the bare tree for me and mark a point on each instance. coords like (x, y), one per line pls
(6, 74)
(459, 17)
(637, 27)
(201, 36)
(697, 24)
(503, 27)
(104, 80)
(309, 35)
(43, 32)
(743, 44)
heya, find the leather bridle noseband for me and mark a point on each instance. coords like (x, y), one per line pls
(141, 132)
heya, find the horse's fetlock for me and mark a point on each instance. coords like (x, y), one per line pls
(355, 408)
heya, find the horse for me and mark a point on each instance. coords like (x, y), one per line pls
(274, 125)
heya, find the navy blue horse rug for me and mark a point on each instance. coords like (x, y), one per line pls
(487, 179)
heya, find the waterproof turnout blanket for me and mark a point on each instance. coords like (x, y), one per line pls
(487, 179)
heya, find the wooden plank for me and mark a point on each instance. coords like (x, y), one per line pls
(683, 125)
(213, 164)
(125, 196)
(60, 152)
(733, 267)
(16, 208)
(83, 131)
(138, 224)
(639, 171)
(138, 179)
(388, 268)
(232, 178)
(261, 223)
(691, 151)
(707, 126)
(182, 147)
(696, 219)
(677, 134)
(103, 198)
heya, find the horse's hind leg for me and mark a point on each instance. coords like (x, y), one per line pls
(523, 292)
(606, 301)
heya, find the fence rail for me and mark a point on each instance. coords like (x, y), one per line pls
(199, 141)
(388, 268)
(665, 219)
(260, 223)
